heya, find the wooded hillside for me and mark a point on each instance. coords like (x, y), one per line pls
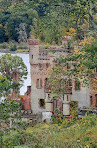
(46, 19)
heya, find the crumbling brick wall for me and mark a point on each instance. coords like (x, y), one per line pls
(26, 99)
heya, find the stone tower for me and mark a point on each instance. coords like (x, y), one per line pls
(39, 62)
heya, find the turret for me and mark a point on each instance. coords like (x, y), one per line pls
(33, 51)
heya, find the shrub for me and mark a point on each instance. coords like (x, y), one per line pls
(12, 140)
(88, 120)
(13, 47)
(57, 117)
(72, 133)
(4, 45)
(22, 125)
(68, 122)
(74, 108)
(19, 139)
(21, 147)
(22, 47)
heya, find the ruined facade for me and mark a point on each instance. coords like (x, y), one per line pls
(27, 99)
(40, 59)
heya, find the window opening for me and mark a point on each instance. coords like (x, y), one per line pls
(47, 65)
(96, 100)
(40, 65)
(91, 100)
(39, 83)
(42, 103)
(67, 98)
(48, 96)
(46, 82)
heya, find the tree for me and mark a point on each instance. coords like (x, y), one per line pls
(10, 119)
(60, 80)
(4, 86)
(9, 109)
(82, 13)
(2, 34)
(14, 69)
(11, 25)
(80, 66)
(9, 113)
(51, 17)
(22, 32)
(84, 63)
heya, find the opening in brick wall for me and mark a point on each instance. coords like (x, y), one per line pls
(47, 65)
(96, 100)
(40, 66)
(67, 98)
(42, 103)
(46, 82)
(39, 83)
(91, 100)
(48, 96)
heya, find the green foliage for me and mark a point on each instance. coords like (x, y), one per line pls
(2, 34)
(57, 117)
(10, 64)
(52, 51)
(13, 71)
(84, 63)
(22, 47)
(74, 108)
(9, 113)
(21, 138)
(70, 133)
(77, 84)
(59, 84)
(5, 86)
(4, 45)
(13, 47)
(22, 125)
(89, 120)
(46, 19)
(12, 140)
(21, 147)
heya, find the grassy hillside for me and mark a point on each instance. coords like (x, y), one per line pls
(71, 133)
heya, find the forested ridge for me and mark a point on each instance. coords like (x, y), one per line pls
(46, 19)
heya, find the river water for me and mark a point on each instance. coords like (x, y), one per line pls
(27, 82)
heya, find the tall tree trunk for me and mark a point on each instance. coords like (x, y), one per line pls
(94, 26)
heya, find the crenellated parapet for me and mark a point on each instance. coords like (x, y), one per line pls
(33, 42)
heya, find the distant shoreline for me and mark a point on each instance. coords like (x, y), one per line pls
(12, 52)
